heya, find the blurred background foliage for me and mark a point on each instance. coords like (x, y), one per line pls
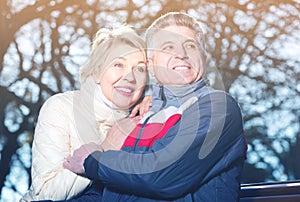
(253, 53)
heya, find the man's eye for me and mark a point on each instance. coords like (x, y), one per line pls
(168, 47)
(191, 46)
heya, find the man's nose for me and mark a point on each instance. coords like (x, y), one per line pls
(180, 52)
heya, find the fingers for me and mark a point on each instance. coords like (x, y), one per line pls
(67, 165)
(134, 111)
(136, 119)
(73, 165)
(145, 105)
(142, 108)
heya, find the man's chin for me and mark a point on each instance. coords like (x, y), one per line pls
(183, 82)
(178, 84)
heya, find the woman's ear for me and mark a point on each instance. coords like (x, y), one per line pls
(96, 76)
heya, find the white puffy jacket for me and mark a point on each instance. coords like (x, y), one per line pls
(58, 132)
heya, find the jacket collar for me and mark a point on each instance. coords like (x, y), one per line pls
(167, 95)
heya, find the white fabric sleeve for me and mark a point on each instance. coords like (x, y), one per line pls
(51, 145)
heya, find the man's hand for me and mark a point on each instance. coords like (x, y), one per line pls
(114, 141)
(143, 107)
(75, 162)
(118, 133)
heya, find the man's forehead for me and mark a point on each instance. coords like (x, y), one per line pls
(165, 36)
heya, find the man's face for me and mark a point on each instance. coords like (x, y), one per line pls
(177, 58)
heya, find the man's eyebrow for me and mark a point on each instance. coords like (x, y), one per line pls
(172, 42)
(190, 40)
(167, 42)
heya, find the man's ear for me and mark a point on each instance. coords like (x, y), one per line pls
(150, 66)
(204, 63)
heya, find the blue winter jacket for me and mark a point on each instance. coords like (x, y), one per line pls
(196, 153)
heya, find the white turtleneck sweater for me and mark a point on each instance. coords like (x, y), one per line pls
(67, 121)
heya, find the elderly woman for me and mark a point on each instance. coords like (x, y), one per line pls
(112, 82)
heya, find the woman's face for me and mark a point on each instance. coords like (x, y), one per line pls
(125, 75)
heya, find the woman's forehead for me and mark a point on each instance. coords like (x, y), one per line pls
(123, 50)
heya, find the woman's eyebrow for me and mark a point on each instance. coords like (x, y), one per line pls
(141, 62)
(119, 58)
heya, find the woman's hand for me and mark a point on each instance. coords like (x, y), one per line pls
(118, 133)
(143, 107)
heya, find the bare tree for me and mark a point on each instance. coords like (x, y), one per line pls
(250, 47)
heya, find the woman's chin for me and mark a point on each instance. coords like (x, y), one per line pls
(123, 105)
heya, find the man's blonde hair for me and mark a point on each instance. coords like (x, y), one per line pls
(179, 19)
(102, 44)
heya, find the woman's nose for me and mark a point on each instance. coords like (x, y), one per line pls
(129, 76)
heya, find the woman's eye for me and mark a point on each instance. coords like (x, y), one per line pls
(140, 69)
(118, 65)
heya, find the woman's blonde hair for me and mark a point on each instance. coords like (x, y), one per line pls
(179, 19)
(102, 44)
